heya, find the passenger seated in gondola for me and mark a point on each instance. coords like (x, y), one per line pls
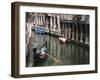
(40, 53)
(39, 57)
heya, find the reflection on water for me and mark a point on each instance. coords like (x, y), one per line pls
(57, 53)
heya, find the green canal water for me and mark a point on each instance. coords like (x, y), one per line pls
(58, 53)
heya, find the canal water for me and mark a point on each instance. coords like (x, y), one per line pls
(57, 53)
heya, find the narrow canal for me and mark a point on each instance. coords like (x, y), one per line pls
(57, 53)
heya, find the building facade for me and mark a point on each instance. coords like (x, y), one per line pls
(72, 27)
